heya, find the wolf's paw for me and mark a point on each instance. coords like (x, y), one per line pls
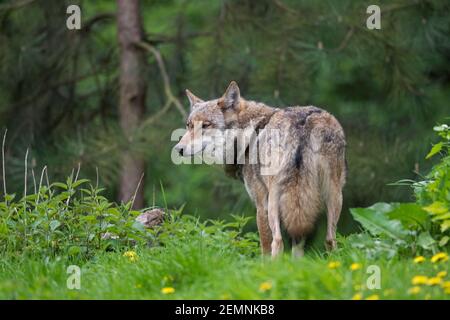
(277, 247)
(330, 244)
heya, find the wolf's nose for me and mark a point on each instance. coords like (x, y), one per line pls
(180, 150)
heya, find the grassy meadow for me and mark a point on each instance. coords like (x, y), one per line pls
(87, 115)
(195, 269)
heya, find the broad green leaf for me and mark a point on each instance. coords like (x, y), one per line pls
(444, 241)
(443, 216)
(410, 215)
(435, 149)
(425, 240)
(79, 182)
(60, 185)
(378, 223)
(436, 207)
(445, 225)
(382, 207)
(440, 128)
(54, 224)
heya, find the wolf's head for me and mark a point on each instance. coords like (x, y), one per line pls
(207, 118)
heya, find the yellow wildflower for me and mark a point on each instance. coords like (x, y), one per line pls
(357, 296)
(355, 266)
(419, 259)
(334, 264)
(373, 297)
(434, 281)
(446, 285)
(419, 280)
(414, 290)
(167, 290)
(447, 290)
(442, 274)
(265, 286)
(131, 255)
(441, 256)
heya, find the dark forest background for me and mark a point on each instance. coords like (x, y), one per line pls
(71, 98)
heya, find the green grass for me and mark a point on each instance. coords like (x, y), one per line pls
(199, 269)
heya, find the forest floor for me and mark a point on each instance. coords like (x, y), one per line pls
(196, 270)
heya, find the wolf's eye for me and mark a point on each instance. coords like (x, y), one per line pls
(206, 124)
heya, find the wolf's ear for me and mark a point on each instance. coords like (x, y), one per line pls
(232, 96)
(193, 99)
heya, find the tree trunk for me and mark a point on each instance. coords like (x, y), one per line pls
(132, 97)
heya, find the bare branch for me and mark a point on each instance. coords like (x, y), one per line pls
(346, 40)
(284, 7)
(171, 98)
(156, 39)
(137, 188)
(89, 23)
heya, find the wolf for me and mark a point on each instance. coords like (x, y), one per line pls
(311, 164)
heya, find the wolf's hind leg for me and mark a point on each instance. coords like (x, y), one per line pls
(274, 221)
(334, 207)
(298, 247)
(265, 235)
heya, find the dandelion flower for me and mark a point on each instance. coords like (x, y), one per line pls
(419, 259)
(434, 281)
(442, 274)
(373, 297)
(414, 290)
(167, 290)
(446, 285)
(441, 256)
(334, 265)
(355, 266)
(131, 255)
(357, 296)
(265, 286)
(447, 290)
(419, 280)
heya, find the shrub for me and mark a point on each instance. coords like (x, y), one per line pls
(66, 219)
(422, 225)
(433, 194)
(72, 218)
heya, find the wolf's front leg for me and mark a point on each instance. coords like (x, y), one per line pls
(274, 221)
(265, 235)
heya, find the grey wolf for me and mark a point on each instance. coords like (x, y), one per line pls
(312, 166)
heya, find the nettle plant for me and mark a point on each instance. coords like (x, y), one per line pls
(433, 194)
(410, 227)
(74, 220)
(68, 218)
